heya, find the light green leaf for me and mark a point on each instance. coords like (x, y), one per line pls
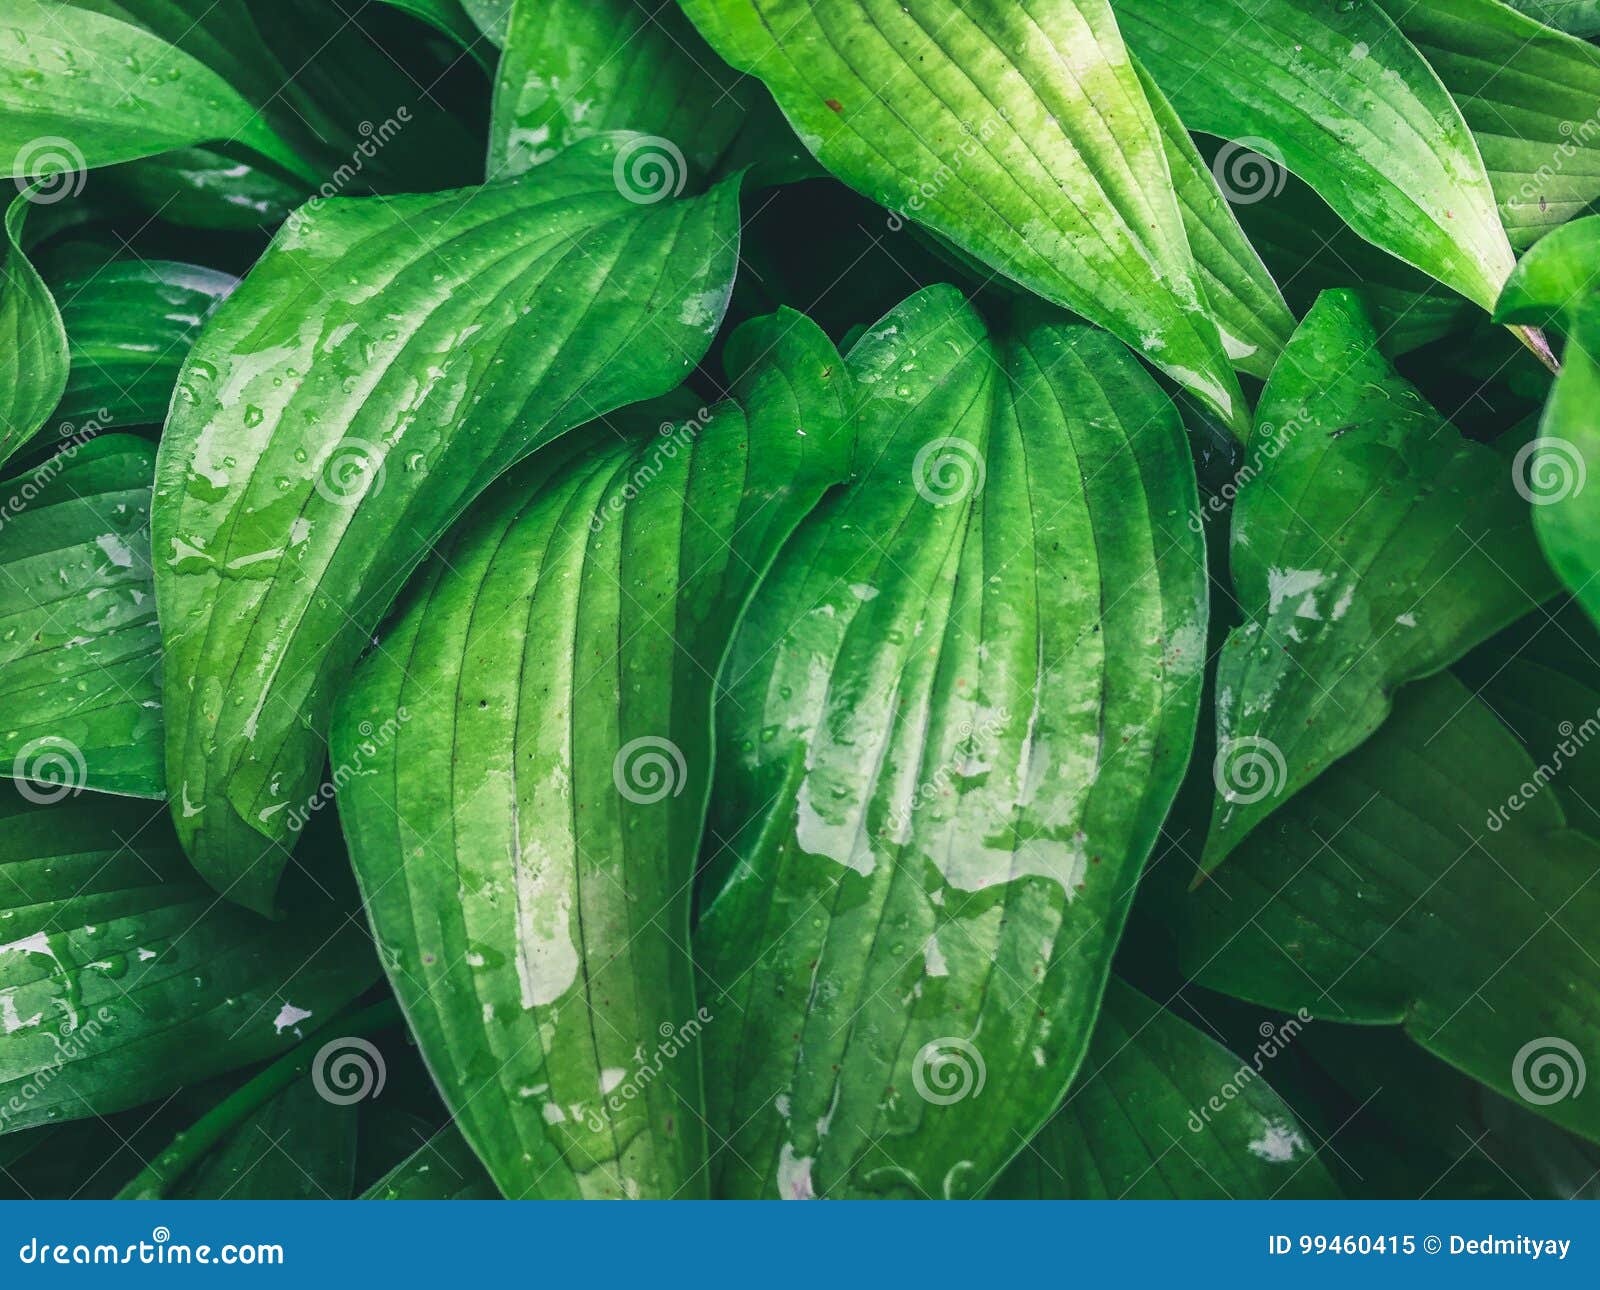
(79, 88)
(493, 17)
(32, 380)
(124, 977)
(525, 835)
(80, 651)
(1559, 472)
(373, 373)
(1402, 889)
(955, 715)
(1371, 545)
(573, 68)
(1140, 1122)
(129, 326)
(1252, 319)
(1532, 98)
(1337, 94)
(1019, 132)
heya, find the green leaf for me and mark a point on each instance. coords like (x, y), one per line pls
(1559, 472)
(1024, 138)
(79, 88)
(80, 651)
(956, 714)
(1146, 1119)
(452, 19)
(129, 326)
(443, 1168)
(573, 68)
(1402, 889)
(32, 382)
(1371, 545)
(1577, 17)
(1252, 318)
(1337, 94)
(1530, 96)
(526, 835)
(202, 188)
(124, 977)
(379, 366)
(492, 17)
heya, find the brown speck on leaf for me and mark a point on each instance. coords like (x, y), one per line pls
(834, 104)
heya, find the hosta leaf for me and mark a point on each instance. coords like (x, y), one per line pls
(493, 17)
(202, 188)
(124, 977)
(1579, 17)
(79, 88)
(129, 326)
(379, 366)
(80, 651)
(443, 1168)
(1530, 96)
(1371, 545)
(1139, 1122)
(1018, 131)
(32, 379)
(1252, 318)
(572, 68)
(1559, 472)
(526, 837)
(1339, 96)
(956, 714)
(1400, 889)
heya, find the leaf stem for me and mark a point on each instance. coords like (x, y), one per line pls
(1536, 342)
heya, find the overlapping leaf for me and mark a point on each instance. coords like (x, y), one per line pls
(1371, 545)
(80, 651)
(32, 382)
(1340, 96)
(526, 836)
(1018, 131)
(955, 716)
(381, 364)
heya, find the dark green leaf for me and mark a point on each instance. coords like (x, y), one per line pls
(530, 751)
(1371, 545)
(955, 716)
(326, 432)
(443, 1168)
(32, 381)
